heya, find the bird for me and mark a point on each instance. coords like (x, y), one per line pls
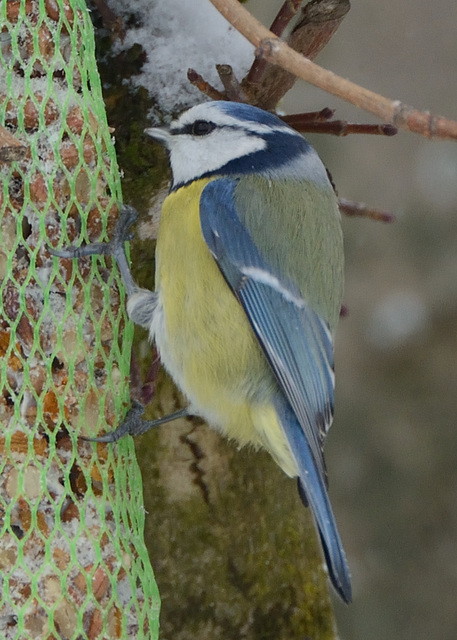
(248, 292)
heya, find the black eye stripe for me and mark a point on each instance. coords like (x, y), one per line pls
(202, 127)
(197, 128)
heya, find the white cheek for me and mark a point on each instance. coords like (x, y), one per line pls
(191, 157)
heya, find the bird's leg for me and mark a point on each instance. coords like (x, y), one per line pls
(134, 425)
(115, 247)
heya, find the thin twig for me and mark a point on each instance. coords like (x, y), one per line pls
(284, 16)
(319, 21)
(360, 209)
(233, 89)
(304, 123)
(279, 24)
(277, 52)
(197, 80)
(296, 120)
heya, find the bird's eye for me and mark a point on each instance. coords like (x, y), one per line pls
(202, 127)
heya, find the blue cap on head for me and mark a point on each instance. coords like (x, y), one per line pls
(284, 145)
(249, 113)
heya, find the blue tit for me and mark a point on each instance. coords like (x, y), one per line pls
(249, 282)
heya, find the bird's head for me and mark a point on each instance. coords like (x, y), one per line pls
(230, 138)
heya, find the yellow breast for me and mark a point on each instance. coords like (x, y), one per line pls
(204, 338)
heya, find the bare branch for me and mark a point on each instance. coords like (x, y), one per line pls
(266, 84)
(197, 80)
(233, 89)
(284, 16)
(320, 20)
(360, 209)
(305, 122)
(309, 116)
(279, 24)
(278, 52)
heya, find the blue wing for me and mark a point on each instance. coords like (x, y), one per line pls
(296, 341)
(298, 345)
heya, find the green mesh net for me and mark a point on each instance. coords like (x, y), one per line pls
(73, 563)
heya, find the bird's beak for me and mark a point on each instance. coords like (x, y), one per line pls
(160, 134)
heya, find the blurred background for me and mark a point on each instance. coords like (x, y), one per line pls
(392, 451)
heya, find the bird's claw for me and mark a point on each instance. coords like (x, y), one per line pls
(127, 216)
(121, 234)
(129, 426)
(134, 425)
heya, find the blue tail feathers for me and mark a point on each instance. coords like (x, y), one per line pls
(313, 491)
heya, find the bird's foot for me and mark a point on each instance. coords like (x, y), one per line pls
(127, 216)
(115, 247)
(134, 425)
